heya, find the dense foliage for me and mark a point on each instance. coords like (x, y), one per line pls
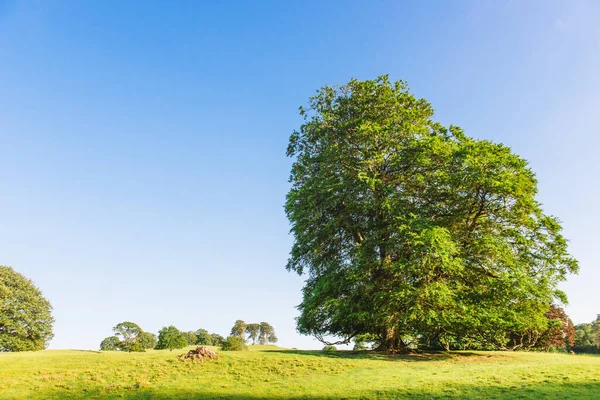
(191, 338)
(409, 230)
(25, 315)
(587, 337)
(234, 343)
(217, 340)
(111, 343)
(171, 338)
(148, 340)
(203, 337)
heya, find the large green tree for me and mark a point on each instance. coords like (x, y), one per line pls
(171, 338)
(405, 228)
(25, 315)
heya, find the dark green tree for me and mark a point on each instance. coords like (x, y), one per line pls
(239, 329)
(111, 343)
(171, 338)
(148, 340)
(407, 229)
(253, 331)
(25, 315)
(129, 334)
(203, 338)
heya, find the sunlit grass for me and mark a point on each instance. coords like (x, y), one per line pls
(276, 373)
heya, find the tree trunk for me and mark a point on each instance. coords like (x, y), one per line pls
(391, 342)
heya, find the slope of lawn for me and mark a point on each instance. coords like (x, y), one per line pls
(277, 373)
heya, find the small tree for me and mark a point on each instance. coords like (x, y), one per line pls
(129, 333)
(25, 315)
(203, 338)
(111, 343)
(253, 331)
(148, 340)
(239, 329)
(234, 343)
(171, 338)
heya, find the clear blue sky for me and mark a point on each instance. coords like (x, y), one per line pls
(143, 167)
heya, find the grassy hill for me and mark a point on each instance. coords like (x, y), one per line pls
(268, 372)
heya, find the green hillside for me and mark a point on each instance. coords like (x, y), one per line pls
(269, 372)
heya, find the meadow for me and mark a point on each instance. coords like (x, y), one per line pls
(267, 372)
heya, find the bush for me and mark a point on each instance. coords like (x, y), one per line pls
(234, 343)
(329, 348)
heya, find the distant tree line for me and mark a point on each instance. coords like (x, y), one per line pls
(129, 336)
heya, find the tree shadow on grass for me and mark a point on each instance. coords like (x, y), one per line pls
(551, 390)
(382, 356)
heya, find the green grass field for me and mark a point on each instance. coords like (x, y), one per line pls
(267, 372)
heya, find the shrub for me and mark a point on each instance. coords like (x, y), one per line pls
(234, 343)
(329, 348)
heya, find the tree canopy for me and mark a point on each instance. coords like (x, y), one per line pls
(409, 230)
(171, 338)
(25, 315)
(203, 337)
